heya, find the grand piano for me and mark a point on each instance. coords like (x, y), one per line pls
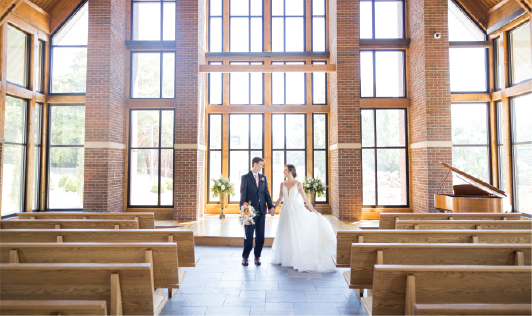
(475, 196)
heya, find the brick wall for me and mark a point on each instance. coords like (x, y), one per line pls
(105, 110)
(346, 163)
(430, 98)
(190, 111)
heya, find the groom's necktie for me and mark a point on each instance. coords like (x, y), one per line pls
(257, 180)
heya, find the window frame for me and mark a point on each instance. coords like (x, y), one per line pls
(24, 148)
(375, 148)
(160, 52)
(326, 83)
(49, 146)
(27, 54)
(513, 144)
(51, 53)
(511, 83)
(496, 63)
(209, 85)
(284, 16)
(284, 75)
(500, 143)
(373, 17)
(161, 15)
(249, 149)
(375, 73)
(312, 16)
(326, 150)
(41, 61)
(249, 17)
(285, 149)
(488, 138)
(221, 17)
(249, 84)
(159, 148)
(38, 147)
(209, 201)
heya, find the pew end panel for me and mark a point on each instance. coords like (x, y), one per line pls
(472, 309)
(53, 307)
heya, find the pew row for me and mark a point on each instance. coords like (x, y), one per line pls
(366, 255)
(146, 220)
(346, 237)
(387, 220)
(473, 309)
(183, 238)
(166, 273)
(68, 224)
(127, 287)
(18, 307)
(397, 288)
(456, 224)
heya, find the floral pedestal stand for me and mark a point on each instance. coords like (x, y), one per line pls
(222, 205)
(312, 198)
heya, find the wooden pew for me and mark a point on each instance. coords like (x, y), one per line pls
(146, 220)
(430, 225)
(396, 288)
(127, 287)
(183, 238)
(18, 307)
(68, 224)
(366, 255)
(346, 237)
(472, 309)
(163, 256)
(387, 220)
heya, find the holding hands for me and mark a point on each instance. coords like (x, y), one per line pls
(272, 211)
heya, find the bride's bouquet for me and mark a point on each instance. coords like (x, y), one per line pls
(247, 212)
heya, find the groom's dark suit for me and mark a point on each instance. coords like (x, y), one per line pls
(258, 197)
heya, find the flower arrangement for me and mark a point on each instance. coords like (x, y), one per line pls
(312, 185)
(247, 212)
(222, 185)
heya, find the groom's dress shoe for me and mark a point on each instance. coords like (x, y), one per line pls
(245, 262)
(257, 261)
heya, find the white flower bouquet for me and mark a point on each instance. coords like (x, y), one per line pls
(222, 185)
(312, 185)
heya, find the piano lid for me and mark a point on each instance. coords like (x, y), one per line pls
(474, 181)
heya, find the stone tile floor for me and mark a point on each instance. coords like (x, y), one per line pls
(220, 285)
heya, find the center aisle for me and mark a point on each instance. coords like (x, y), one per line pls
(220, 285)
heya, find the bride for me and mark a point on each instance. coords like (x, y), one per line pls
(304, 240)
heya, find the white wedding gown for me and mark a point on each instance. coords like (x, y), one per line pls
(304, 240)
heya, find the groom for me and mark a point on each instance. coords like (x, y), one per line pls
(254, 190)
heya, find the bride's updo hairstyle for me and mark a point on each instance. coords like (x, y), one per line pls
(292, 169)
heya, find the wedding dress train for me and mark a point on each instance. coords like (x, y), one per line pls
(304, 240)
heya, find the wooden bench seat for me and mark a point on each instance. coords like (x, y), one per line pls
(163, 256)
(387, 220)
(396, 288)
(365, 256)
(68, 224)
(472, 309)
(456, 224)
(183, 238)
(126, 287)
(18, 307)
(346, 237)
(146, 220)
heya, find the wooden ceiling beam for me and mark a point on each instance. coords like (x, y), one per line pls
(525, 5)
(6, 7)
(60, 11)
(478, 13)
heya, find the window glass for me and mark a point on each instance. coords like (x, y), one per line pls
(461, 27)
(151, 77)
(318, 26)
(521, 110)
(69, 54)
(388, 17)
(13, 172)
(153, 20)
(245, 87)
(245, 142)
(215, 152)
(215, 86)
(382, 74)
(500, 147)
(468, 68)
(319, 85)
(66, 160)
(39, 69)
(37, 155)
(289, 87)
(471, 140)
(18, 45)
(520, 54)
(288, 26)
(497, 66)
(290, 150)
(245, 26)
(384, 167)
(151, 169)
(320, 151)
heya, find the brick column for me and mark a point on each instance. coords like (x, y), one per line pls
(345, 140)
(105, 109)
(189, 173)
(430, 111)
